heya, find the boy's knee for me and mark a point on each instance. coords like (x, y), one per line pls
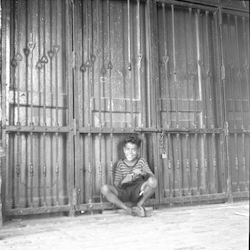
(105, 189)
(152, 181)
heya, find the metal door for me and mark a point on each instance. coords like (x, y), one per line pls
(79, 76)
(37, 107)
(235, 51)
(111, 44)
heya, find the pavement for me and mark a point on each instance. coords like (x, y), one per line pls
(201, 227)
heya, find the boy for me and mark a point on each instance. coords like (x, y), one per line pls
(134, 181)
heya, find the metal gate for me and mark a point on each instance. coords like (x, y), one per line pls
(78, 76)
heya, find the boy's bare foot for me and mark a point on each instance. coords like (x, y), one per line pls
(139, 211)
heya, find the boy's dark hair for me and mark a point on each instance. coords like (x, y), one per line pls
(132, 139)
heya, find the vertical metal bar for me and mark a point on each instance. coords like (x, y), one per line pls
(99, 94)
(6, 76)
(100, 161)
(56, 68)
(178, 163)
(189, 180)
(32, 45)
(98, 63)
(92, 58)
(44, 171)
(57, 170)
(194, 90)
(213, 144)
(212, 181)
(18, 169)
(31, 169)
(50, 30)
(44, 61)
(56, 48)
(246, 66)
(246, 63)
(220, 116)
(170, 165)
(16, 63)
(166, 60)
(233, 101)
(197, 162)
(111, 157)
(239, 77)
(176, 89)
(110, 67)
(88, 63)
(206, 177)
(67, 41)
(206, 106)
(139, 65)
(90, 168)
(38, 65)
(130, 66)
(18, 59)
(200, 94)
(200, 62)
(193, 72)
(226, 134)
(209, 75)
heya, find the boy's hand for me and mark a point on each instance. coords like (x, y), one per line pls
(138, 172)
(128, 178)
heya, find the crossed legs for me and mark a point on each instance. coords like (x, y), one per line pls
(111, 194)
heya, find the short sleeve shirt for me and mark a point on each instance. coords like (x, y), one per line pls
(122, 170)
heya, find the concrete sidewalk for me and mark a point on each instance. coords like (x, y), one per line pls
(211, 227)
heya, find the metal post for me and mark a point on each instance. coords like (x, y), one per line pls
(130, 74)
(246, 66)
(229, 173)
(231, 65)
(166, 61)
(176, 90)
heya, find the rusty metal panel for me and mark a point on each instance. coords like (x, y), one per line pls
(110, 63)
(79, 76)
(192, 164)
(235, 31)
(110, 88)
(36, 95)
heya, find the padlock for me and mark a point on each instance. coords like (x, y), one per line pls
(164, 155)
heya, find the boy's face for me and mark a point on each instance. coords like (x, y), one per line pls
(131, 151)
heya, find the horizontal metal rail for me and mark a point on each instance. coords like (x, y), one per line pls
(209, 7)
(95, 130)
(150, 130)
(37, 210)
(38, 129)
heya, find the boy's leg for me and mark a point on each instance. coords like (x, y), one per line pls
(148, 188)
(111, 194)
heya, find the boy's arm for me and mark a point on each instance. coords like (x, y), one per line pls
(146, 169)
(118, 176)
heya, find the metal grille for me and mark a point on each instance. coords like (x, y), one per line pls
(79, 76)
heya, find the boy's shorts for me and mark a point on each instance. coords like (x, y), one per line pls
(130, 191)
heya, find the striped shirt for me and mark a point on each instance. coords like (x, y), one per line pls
(122, 170)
